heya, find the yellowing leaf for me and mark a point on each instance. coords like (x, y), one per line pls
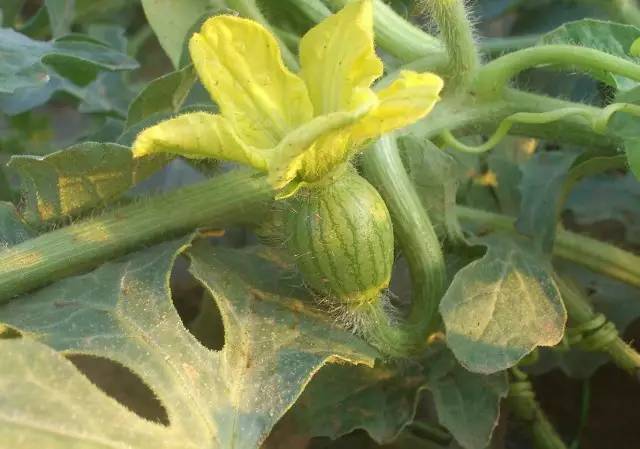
(274, 342)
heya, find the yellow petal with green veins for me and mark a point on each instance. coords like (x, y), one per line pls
(198, 135)
(406, 100)
(239, 63)
(339, 61)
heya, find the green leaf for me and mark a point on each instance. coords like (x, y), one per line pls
(340, 399)
(632, 150)
(9, 10)
(467, 404)
(505, 163)
(436, 176)
(542, 16)
(490, 9)
(164, 95)
(26, 63)
(274, 342)
(543, 177)
(109, 93)
(83, 176)
(91, 11)
(61, 14)
(609, 37)
(608, 197)
(502, 306)
(172, 21)
(12, 229)
(382, 400)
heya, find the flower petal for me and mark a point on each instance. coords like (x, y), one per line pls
(311, 152)
(339, 61)
(239, 63)
(409, 98)
(198, 135)
(314, 149)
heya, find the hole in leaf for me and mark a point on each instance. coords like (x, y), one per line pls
(207, 327)
(8, 332)
(197, 309)
(123, 385)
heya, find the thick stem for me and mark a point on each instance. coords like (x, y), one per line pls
(593, 254)
(457, 34)
(494, 76)
(234, 197)
(604, 337)
(415, 233)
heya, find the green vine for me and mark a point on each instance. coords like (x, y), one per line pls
(597, 119)
(417, 238)
(457, 34)
(495, 75)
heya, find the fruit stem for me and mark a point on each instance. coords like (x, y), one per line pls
(419, 243)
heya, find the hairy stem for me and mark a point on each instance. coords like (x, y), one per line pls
(494, 76)
(593, 254)
(522, 402)
(480, 117)
(598, 119)
(457, 34)
(418, 240)
(596, 333)
(234, 197)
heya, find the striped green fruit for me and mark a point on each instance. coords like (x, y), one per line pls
(341, 236)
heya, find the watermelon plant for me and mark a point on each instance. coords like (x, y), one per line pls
(319, 224)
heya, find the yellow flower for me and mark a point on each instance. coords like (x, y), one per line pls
(294, 127)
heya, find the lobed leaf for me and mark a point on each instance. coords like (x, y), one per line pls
(81, 177)
(32, 71)
(467, 404)
(274, 342)
(26, 63)
(340, 399)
